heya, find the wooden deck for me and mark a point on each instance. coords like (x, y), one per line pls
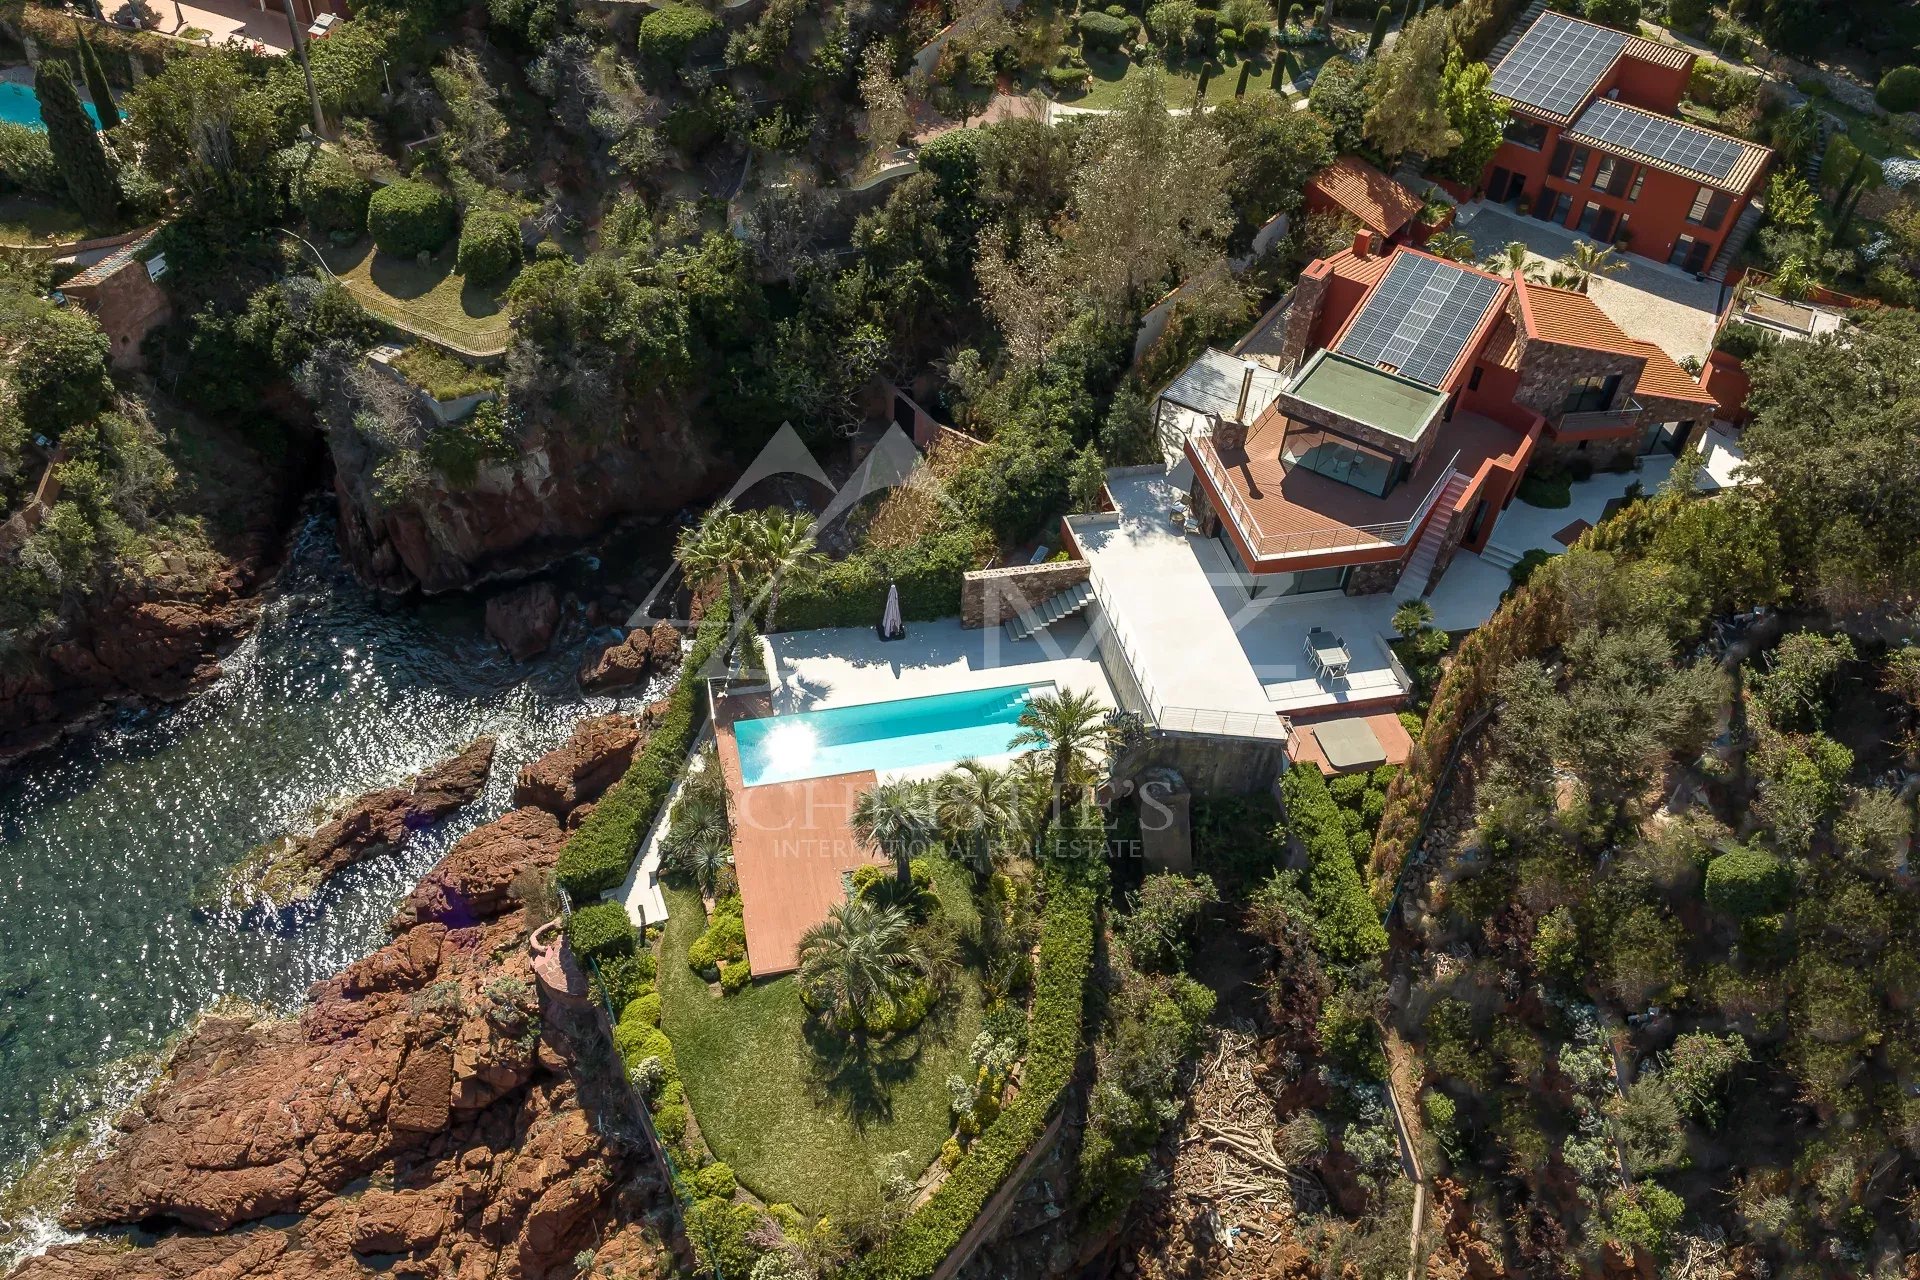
(792, 850)
(1386, 726)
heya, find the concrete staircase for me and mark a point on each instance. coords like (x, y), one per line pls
(1514, 32)
(1028, 622)
(1415, 579)
(1500, 557)
(1736, 241)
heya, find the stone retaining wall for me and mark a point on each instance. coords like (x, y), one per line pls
(988, 597)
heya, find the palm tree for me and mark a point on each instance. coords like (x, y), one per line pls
(1516, 260)
(861, 953)
(976, 807)
(699, 840)
(897, 818)
(1071, 727)
(722, 542)
(783, 549)
(1412, 617)
(1586, 261)
(1454, 246)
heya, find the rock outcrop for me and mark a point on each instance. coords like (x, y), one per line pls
(289, 870)
(564, 486)
(524, 619)
(638, 657)
(423, 1116)
(592, 760)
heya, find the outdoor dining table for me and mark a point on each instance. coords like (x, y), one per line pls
(1328, 653)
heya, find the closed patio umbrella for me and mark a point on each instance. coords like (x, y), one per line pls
(891, 627)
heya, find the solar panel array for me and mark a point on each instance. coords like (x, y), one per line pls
(1420, 317)
(1673, 141)
(1557, 63)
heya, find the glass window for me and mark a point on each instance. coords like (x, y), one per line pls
(1562, 155)
(1702, 200)
(1604, 174)
(1639, 178)
(1562, 206)
(1589, 216)
(1578, 168)
(1339, 458)
(1592, 394)
(1603, 226)
(1526, 133)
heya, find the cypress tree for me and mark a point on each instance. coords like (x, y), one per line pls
(75, 144)
(1380, 21)
(97, 87)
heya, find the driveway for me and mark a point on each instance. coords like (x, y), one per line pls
(1649, 300)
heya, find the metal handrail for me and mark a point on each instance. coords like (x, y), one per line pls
(1621, 415)
(1339, 538)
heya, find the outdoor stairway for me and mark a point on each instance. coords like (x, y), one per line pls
(1426, 553)
(1027, 622)
(1500, 557)
(1736, 241)
(1514, 32)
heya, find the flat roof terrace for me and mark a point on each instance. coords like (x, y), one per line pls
(1293, 511)
(1400, 407)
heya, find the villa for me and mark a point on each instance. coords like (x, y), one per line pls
(1593, 145)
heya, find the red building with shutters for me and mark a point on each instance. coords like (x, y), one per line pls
(1593, 146)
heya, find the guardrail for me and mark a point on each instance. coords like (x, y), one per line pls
(1334, 538)
(1623, 415)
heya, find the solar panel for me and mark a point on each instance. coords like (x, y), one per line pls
(1420, 317)
(1673, 141)
(1557, 63)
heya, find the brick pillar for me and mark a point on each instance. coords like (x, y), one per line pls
(1229, 436)
(1308, 296)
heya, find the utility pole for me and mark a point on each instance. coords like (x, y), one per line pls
(300, 51)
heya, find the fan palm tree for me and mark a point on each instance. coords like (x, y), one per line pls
(1586, 261)
(1454, 246)
(1071, 727)
(897, 818)
(699, 840)
(1516, 260)
(721, 543)
(859, 955)
(976, 808)
(783, 550)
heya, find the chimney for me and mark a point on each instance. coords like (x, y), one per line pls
(1228, 437)
(1246, 390)
(1362, 243)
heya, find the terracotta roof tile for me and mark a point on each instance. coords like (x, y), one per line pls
(1368, 194)
(1660, 55)
(1571, 320)
(1663, 378)
(1367, 271)
(1502, 346)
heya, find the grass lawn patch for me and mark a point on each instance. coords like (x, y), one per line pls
(440, 375)
(1223, 79)
(434, 299)
(796, 1127)
(26, 219)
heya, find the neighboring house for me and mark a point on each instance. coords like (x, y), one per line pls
(1418, 391)
(1593, 145)
(1752, 320)
(1355, 188)
(123, 293)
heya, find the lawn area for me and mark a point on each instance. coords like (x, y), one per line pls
(1111, 71)
(794, 1129)
(435, 299)
(28, 219)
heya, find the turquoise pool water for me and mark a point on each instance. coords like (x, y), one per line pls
(19, 105)
(903, 734)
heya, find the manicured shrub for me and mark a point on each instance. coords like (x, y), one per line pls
(1254, 36)
(723, 942)
(715, 1180)
(1899, 89)
(734, 977)
(670, 32)
(644, 1009)
(601, 929)
(636, 1042)
(1103, 30)
(26, 161)
(1747, 882)
(624, 979)
(330, 194)
(408, 218)
(598, 854)
(1067, 79)
(489, 246)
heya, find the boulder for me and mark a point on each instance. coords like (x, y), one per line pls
(642, 655)
(593, 759)
(523, 620)
(472, 881)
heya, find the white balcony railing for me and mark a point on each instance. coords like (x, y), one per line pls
(1308, 541)
(1625, 414)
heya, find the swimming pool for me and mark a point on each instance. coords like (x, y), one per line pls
(902, 734)
(19, 105)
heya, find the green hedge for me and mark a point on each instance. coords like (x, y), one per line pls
(1103, 31)
(598, 854)
(1346, 925)
(853, 592)
(601, 931)
(331, 196)
(920, 1243)
(408, 218)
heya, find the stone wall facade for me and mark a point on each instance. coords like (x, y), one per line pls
(988, 597)
(1378, 576)
(128, 304)
(1300, 411)
(1548, 371)
(1309, 295)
